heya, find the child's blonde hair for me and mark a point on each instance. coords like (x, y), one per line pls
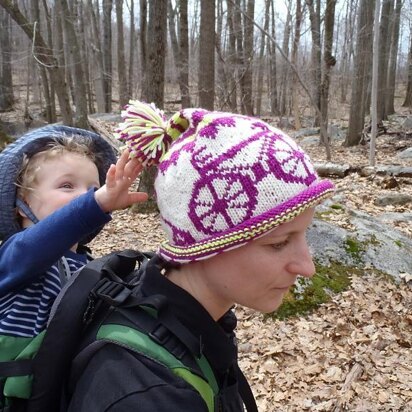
(30, 166)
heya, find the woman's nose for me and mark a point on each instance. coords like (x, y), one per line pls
(303, 263)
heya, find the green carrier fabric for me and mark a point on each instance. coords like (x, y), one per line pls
(101, 305)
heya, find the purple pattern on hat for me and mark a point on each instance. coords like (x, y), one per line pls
(180, 237)
(302, 201)
(225, 194)
(212, 128)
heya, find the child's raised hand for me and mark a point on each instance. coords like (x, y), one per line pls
(115, 195)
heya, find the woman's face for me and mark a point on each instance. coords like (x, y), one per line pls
(258, 274)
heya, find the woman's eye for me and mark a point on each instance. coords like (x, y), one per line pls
(280, 245)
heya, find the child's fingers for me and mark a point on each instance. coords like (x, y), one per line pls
(121, 164)
(136, 197)
(111, 176)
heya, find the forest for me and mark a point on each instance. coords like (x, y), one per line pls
(334, 74)
(304, 61)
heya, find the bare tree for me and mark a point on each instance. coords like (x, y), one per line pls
(97, 58)
(408, 98)
(393, 58)
(143, 49)
(155, 77)
(35, 16)
(6, 79)
(132, 45)
(246, 79)
(314, 14)
(259, 91)
(328, 62)
(386, 12)
(294, 58)
(107, 53)
(44, 56)
(232, 59)
(183, 61)
(273, 93)
(207, 54)
(285, 72)
(347, 50)
(361, 78)
(375, 79)
(75, 60)
(121, 59)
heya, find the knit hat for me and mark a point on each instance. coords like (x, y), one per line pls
(223, 179)
(32, 142)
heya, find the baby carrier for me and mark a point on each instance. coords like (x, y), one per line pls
(96, 307)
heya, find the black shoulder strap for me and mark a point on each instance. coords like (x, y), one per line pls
(65, 328)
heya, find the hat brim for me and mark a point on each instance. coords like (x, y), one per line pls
(12, 156)
(249, 230)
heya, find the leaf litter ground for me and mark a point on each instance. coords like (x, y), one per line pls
(353, 353)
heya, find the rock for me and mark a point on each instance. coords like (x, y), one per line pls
(405, 154)
(393, 199)
(395, 217)
(305, 132)
(310, 141)
(335, 132)
(370, 244)
(332, 169)
(407, 123)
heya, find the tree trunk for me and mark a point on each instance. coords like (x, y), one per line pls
(5, 139)
(183, 65)
(97, 60)
(132, 45)
(328, 62)
(314, 13)
(6, 79)
(35, 16)
(362, 65)
(107, 54)
(393, 57)
(246, 80)
(347, 52)
(284, 76)
(294, 59)
(155, 77)
(262, 60)
(207, 54)
(171, 24)
(408, 98)
(44, 56)
(232, 59)
(143, 50)
(121, 60)
(375, 78)
(75, 60)
(273, 92)
(155, 70)
(387, 7)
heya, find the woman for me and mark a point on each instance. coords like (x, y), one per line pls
(235, 197)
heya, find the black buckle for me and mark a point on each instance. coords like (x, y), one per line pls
(161, 335)
(111, 292)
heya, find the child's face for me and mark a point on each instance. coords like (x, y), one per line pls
(260, 273)
(59, 181)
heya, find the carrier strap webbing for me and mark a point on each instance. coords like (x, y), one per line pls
(21, 367)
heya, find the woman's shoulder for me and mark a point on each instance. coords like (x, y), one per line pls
(118, 380)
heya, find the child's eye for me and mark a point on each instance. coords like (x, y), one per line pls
(66, 186)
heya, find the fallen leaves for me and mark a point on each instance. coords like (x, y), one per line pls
(353, 353)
